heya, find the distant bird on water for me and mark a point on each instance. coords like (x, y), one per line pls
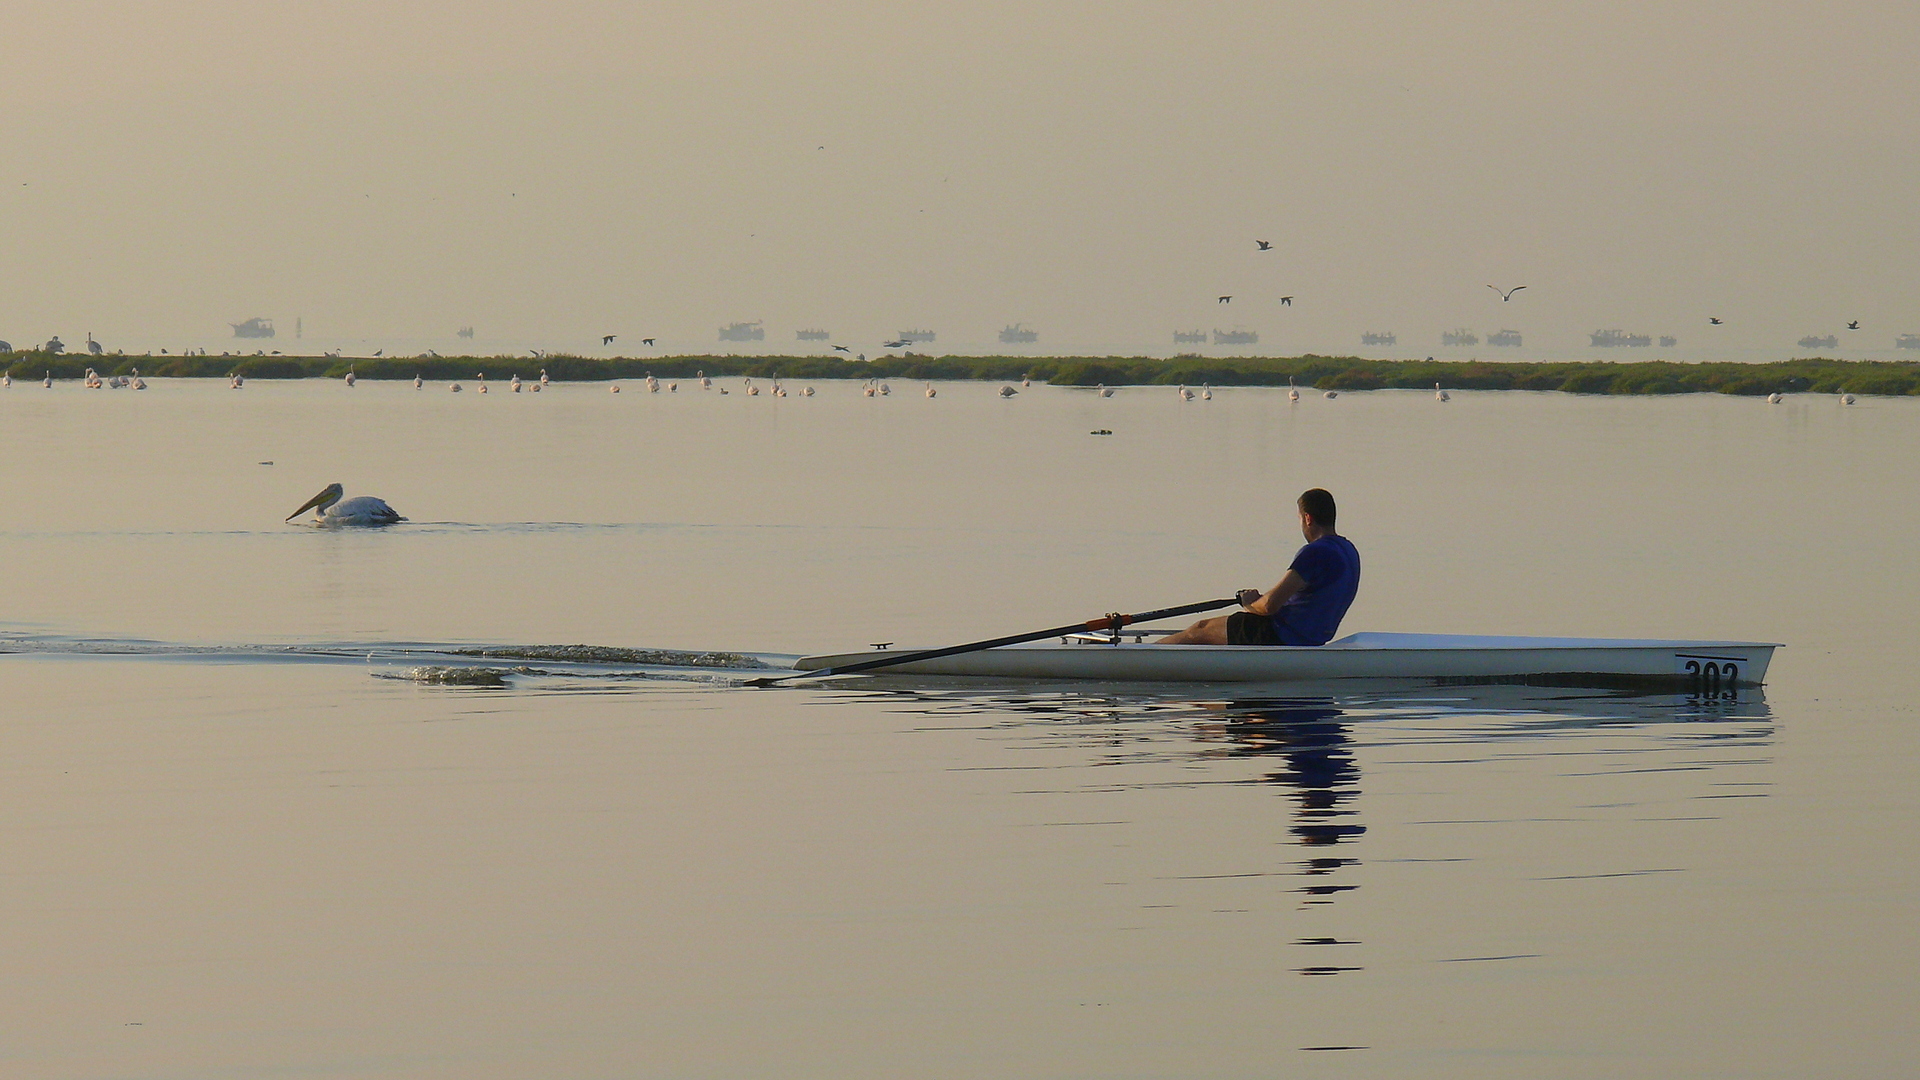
(1439, 394)
(516, 382)
(1264, 245)
(1846, 399)
(49, 383)
(350, 375)
(930, 391)
(607, 339)
(360, 510)
(543, 376)
(1186, 394)
(1293, 392)
(1506, 294)
(1854, 325)
(417, 383)
(1008, 391)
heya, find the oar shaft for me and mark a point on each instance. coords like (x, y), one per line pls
(1108, 622)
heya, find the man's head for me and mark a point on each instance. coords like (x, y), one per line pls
(1316, 510)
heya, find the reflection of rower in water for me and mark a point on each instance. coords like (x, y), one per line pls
(1306, 607)
(1308, 734)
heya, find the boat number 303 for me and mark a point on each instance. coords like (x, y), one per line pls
(1710, 670)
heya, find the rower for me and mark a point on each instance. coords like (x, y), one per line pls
(1306, 607)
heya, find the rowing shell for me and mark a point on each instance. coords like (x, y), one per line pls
(1443, 657)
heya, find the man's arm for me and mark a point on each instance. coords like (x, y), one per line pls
(1276, 596)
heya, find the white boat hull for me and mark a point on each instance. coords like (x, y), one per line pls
(1440, 657)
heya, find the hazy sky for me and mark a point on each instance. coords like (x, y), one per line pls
(554, 171)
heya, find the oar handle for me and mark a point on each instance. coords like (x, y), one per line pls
(1105, 622)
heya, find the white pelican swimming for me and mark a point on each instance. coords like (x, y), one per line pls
(885, 389)
(455, 388)
(1846, 399)
(1206, 391)
(1105, 390)
(543, 376)
(359, 510)
(614, 389)
(806, 391)
(1186, 394)
(1331, 394)
(6, 378)
(138, 382)
(1774, 398)
(235, 380)
(1008, 391)
(516, 382)
(931, 392)
(705, 383)
(1439, 394)
(351, 378)
(1293, 392)
(49, 383)
(673, 387)
(653, 384)
(418, 382)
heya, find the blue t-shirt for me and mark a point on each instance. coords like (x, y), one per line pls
(1331, 567)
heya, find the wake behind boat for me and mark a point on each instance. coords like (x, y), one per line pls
(1438, 657)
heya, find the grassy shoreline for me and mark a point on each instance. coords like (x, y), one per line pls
(1316, 372)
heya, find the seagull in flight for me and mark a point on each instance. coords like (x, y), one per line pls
(894, 344)
(1854, 325)
(1225, 300)
(1286, 301)
(607, 339)
(1713, 321)
(1506, 295)
(841, 348)
(647, 341)
(1265, 245)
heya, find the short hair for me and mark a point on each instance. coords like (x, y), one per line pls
(1317, 503)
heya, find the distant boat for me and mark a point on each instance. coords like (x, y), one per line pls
(1189, 337)
(465, 332)
(914, 337)
(1459, 337)
(1235, 337)
(1668, 341)
(1831, 341)
(1018, 335)
(1907, 341)
(1506, 339)
(1613, 339)
(1371, 338)
(743, 331)
(813, 335)
(254, 328)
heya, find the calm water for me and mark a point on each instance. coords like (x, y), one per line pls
(241, 842)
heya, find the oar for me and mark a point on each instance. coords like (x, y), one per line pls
(1108, 622)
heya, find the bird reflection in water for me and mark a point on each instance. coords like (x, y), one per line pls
(1308, 735)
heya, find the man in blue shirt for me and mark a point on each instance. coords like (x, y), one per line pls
(1306, 607)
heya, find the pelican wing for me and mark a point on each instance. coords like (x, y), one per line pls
(362, 510)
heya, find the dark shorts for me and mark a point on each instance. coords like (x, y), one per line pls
(1246, 628)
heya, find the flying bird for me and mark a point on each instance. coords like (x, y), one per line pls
(1854, 325)
(1713, 321)
(607, 339)
(1264, 245)
(1507, 294)
(1224, 300)
(1286, 301)
(841, 348)
(360, 510)
(647, 341)
(379, 352)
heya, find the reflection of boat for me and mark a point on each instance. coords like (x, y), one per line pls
(1831, 341)
(253, 328)
(1189, 337)
(915, 337)
(1018, 335)
(1506, 339)
(464, 332)
(1613, 339)
(1371, 338)
(1444, 657)
(1459, 337)
(743, 331)
(1668, 341)
(1235, 337)
(1907, 341)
